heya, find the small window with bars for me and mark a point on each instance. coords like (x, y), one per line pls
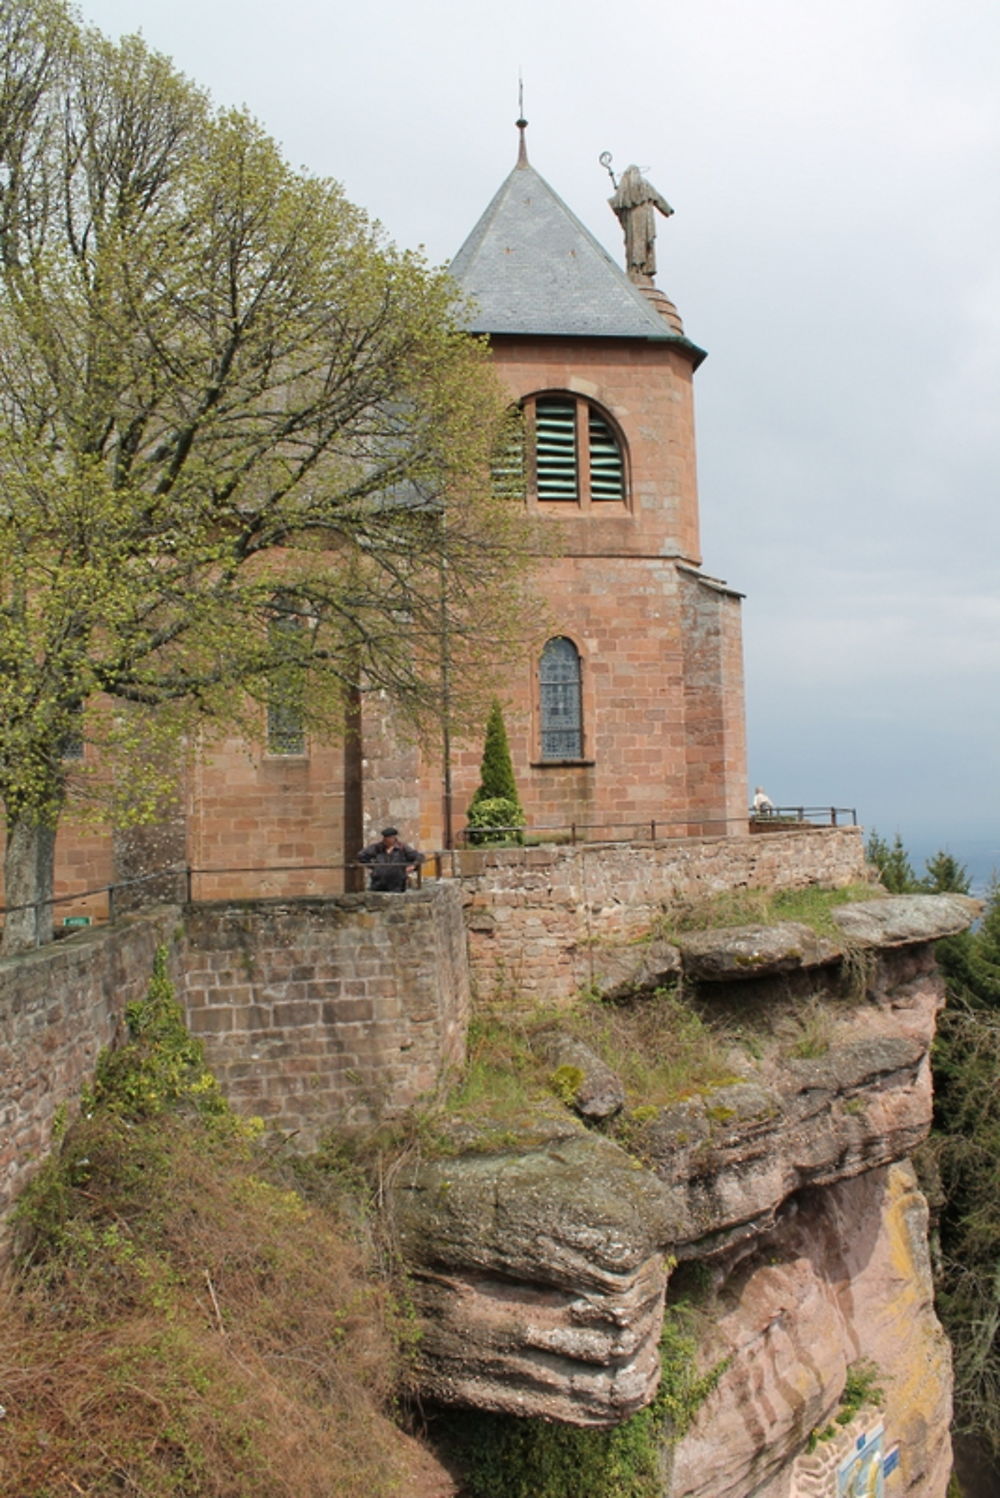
(71, 746)
(561, 710)
(578, 455)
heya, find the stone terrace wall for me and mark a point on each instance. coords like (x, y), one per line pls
(318, 1013)
(535, 915)
(58, 1007)
(313, 1012)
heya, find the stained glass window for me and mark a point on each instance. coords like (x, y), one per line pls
(561, 714)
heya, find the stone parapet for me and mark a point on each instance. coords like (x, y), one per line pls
(538, 917)
(318, 1014)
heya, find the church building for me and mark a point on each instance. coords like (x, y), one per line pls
(626, 718)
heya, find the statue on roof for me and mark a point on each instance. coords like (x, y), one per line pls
(633, 204)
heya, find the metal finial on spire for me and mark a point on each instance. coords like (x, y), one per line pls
(521, 122)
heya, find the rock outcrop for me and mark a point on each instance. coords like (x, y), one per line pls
(539, 1254)
(538, 1266)
(843, 1278)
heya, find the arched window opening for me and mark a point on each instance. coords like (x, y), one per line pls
(578, 455)
(561, 712)
(286, 732)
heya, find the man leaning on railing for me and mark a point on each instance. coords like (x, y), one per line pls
(391, 862)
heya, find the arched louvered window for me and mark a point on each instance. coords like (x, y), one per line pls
(578, 456)
(560, 704)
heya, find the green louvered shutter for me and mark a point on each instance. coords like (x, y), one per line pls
(607, 475)
(555, 449)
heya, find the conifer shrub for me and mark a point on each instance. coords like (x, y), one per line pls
(495, 813)
(494, 819)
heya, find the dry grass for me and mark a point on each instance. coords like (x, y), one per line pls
(761, 907)
(660, 1046)
(180, 1319)
(211, 1334)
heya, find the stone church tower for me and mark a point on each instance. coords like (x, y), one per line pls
(631, 709)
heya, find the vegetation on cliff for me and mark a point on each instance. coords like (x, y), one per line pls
(961, 1163)
(504, 1456)
(965, 1150)
(188, 1313)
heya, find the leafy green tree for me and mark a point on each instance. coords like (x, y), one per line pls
(961, 1162)
(495, 802)
(964, 1154)
(219, 387)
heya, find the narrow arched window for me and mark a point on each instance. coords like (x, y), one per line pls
(561, 712)
(286, 733)
(578, 457)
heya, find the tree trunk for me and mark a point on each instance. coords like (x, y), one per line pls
(354, 819)
(29, 864)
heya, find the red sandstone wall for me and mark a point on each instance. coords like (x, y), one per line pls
(715, 733)
(251, 810)
(58, 1007)
(329, 1013)
(647, 389)
(537, 916)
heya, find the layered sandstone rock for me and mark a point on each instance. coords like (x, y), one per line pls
(842, 1278)
(538, 1253)
(536, 1264)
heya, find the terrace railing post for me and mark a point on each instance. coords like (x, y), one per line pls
(833, 816)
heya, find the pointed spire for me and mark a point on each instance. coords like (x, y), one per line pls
(522, 124)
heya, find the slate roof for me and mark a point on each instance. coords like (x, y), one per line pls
(531, 267)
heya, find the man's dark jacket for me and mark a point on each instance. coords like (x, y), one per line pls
(389, 865)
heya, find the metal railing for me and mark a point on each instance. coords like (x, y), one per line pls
(115, 899)
(657, 829)
(815, 816)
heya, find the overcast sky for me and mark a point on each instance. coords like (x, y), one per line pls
(833, 166)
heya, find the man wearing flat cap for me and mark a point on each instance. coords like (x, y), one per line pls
(390, 862)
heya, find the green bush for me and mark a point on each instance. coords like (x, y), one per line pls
(495, 819)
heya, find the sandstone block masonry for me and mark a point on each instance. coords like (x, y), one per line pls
(58, 1007)
(314, 1013)
(544, 921)
(323, 1013)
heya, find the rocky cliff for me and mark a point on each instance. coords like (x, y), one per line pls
(777, 1196)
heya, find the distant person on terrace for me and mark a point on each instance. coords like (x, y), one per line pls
(763, 806)
(391, 861)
